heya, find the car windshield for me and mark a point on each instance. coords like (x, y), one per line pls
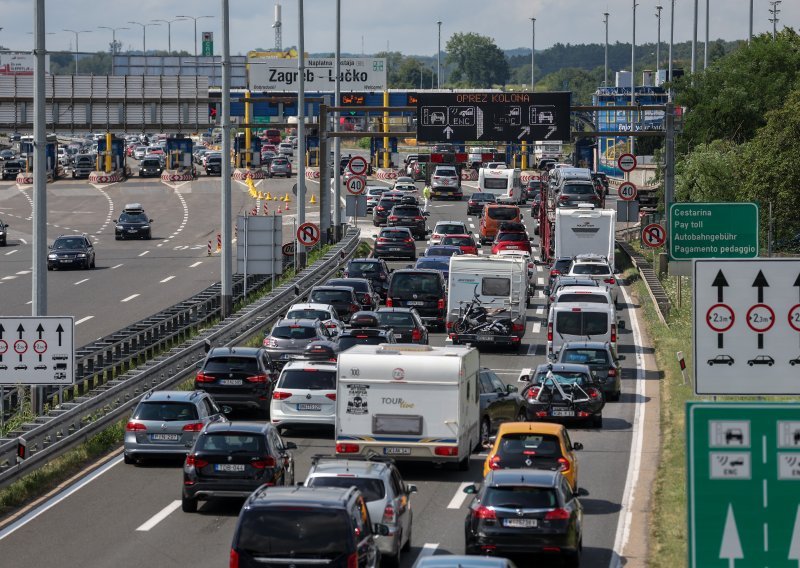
(311, 379)
(582, 323)
(133, 218)
(449, 229)
(63, 244)
(309, 313)
(225, 364)
(389, 319)
(448, 250)
(330, 296)
(371, 489)
(520, 497)
(585, 356)
(293, 332)
(294, 532)
(503, 213)
(563, 378)
(591, 269)
(151, 162)
(165, 411)
(230, 442)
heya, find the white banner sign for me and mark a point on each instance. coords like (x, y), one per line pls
(356, 74)
(20, 63)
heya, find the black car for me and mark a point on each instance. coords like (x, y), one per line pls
(410, 216)
(280, 526)
(562, 392)
(602, 360)
(74, 251)
(11, 168)
(574, 193)
(560, 266)
(532, 189)
(395, 242)
(3, 233)
(363, 336)
(233, 459)
(343, 298)
(368, 298)
(214, 165)
(150, 166)
(242, 377)
(423, 290)
(536, 205)
(406, 324)
(477, 201)
(525, 511)
(133, 223)
(385, 204)
(373, 269)
(498, 403)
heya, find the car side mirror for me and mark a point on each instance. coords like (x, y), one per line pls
(524, 379)
(207, 345)
(289, 446)
(380, 529)
(227, 410)
(511, 388)
(150, 221)
(546, 291)
(471, 489)
(577, 446)
(411, 488)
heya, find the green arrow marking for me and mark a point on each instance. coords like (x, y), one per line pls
(731, 548)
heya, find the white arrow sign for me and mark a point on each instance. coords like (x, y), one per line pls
(550, 131)
(731, 548)
(524, 131)
(794, 546)
(448, 131)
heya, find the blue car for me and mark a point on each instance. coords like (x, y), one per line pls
(440, 263)
(443, 250)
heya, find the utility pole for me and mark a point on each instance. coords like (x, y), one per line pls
(774, 19)
(169, 31)
(439, 58)
(750, 29)
(77, 33)
(299, 248)
(39, 249)
(605, 57)
(144, 34)
(633, 75)
(671, 39)
(533, 52)
(705, 51)
(694, 39)
(337, 142)
(226, 274)
(658, 42)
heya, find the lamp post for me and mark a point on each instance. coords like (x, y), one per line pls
(169, 31)
(633, 72)
(605, 55)
(774, 19)
(671, 39)
(113, 42)
(750, 29)
(195, 18)
(705, 50)
(439, 56)
(694, 39)
(533, 52)
(144, 34)
(658, 41)
(77, 34)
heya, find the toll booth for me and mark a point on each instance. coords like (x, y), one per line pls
(179, 153)
(247, 157)
(584, 153)
(117, 155)
(51, 156)
(376, 151)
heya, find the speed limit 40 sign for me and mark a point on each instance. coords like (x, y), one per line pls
(356, 185)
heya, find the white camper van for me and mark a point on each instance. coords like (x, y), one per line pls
(585, 230)
(408, 402)
(503, 183)
(581, 321)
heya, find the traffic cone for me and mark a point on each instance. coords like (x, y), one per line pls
(313, 200)
(286, 197)
(269, 196)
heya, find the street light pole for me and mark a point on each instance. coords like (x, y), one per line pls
(694, 39)
(671, 39)
(750, 32)
(144, 34)
(533, 52)
(195, 18)
(77, 33)
(605, 56)
(337, 143)
(633, 72)
(705, 51)
(226, 274)
(169, 32)
(658, 42)
(113, 42)
(438, 58)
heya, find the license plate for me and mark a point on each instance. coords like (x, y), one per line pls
(131, 230)
(397, 451)
(521, 523)
(231, 382)
(229, 467)
(557, 412)
(395, 249)
(512, 247)
(485, 338)
(415, 303)
(306, 406)
(66, 260)
(164, 437)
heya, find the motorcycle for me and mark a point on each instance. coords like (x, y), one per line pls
(476, 318)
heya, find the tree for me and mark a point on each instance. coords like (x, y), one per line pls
(711, 172)
(478, 61)
(582, 83)
(412, 74)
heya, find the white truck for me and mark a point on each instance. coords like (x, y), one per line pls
(408, 402)
(585, 230)
(504, 183)
(496, 284)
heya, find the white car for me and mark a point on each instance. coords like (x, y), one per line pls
(323, 312)
(304, 394)
(597, 268)
(286, 149)
(405, 187)
(443, 228)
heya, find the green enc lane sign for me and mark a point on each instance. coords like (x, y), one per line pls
(713, 230)
(743, 481)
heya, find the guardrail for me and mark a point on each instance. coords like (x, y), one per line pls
(74, 422)
(654, 287)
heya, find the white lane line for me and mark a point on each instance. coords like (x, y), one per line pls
(144, 253)
(29, 302)
(531, 349)
(540, 293)
(540, 281)
(81, 281)
(12, 252)
(472, 225)
(198, 263)
(160, 516)
(540, 310)
(80, 321)
(129, 298)
(56, 499)
(459, 498)
(9, 277)
(23, 241)
(537, 327)
(637, 442)
(117, 266)
(428, 549)
(167, 279)
(23, 272)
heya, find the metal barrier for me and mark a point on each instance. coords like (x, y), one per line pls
(75, 422)
(654, 287)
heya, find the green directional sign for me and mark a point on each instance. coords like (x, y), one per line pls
(713, 230)
(743, 479)
(208, 43)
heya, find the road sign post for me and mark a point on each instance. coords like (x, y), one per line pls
(713, 230)
(37, 350)
(743, 484)
(627, 191)
(208, 44)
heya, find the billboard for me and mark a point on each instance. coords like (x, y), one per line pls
(356, 74)
(20, 63)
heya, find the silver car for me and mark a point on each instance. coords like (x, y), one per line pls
(289, 338)
(323, 312)
(166, 423)
(388, 497)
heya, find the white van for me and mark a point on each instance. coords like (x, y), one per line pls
(581, 321)
(408, 402)
(503, 183)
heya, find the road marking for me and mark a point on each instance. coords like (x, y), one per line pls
(428, 549)
(537, 327)
(117, 266)
(532, 349)
(637, 442)
(459, 498)
(9, 277)
(144, 253)
(23, 272)
(540, 310)
(29, 302)
(129, 298)
(160, 516)
(766, 500)
(540, 294)
(56, 499)
(540, 281)
(81, 281)
(472, 225)
(12, 252)
(167, 279)
(198, 263)
(470, 219)
(23, 241)
(80, 321)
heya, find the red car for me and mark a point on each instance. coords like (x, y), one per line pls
(465, 242)
(507, 240)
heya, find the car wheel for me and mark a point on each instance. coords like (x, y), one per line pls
(751, 364)
(769, 364)
(522, 416)
(463, 465)
(188, 505)
(573, 559)
(116, 237)
(597, 421)
(616, 396)
(397, 559)
(731, 363)
(485, 433)
(128, 459)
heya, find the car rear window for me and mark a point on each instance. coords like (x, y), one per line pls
(591, 269)
(520, 497)
(493, 286)
(223, 364)
(330, 296)
(308, 314)
(449, 229)
(371, 489)
(583, 297)
(582, 323)
(407, 211)
(395, 318)
(578, 189)
(165, 411)
(449, 250)
(445, 172)
(511, 237)
(387, 202)
(363, 267)
(293, 332)
(541, 445)
(361, 286)
(483, 197)
(495, 183)
(457, 241)
(289, 532)
(395, 235)
(417, 282)
(503, 213)
(433, 264)
(585, 356)
(311, 379)
(563, 378)
(229, 442)
(358, 339)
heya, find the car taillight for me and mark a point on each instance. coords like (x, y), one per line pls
(419, 218)
(193, 427)
(554, 272)
(352, 560)
(382, 277)
(196, 462)
(549, 332)
(393, 217)
(563, 464)
(135, 427)
(446, 450)
(416, 335)
(382, 240)
(515, 327)
(436, 236)
(389, 515)
(440, 304)
(342, 448)
(379, 208)
(331, 395)
(494, 463)
(265, 462)
(203, 378)
(330, 325)
(613, 333)
(388, 302)
(366, 299)
(594, 393)
(484, 512)
(281, 395)
(610, 280)
(563, 198)
(449, 325)
(557, 515)
(262, 378)
(612, 372)
(533, 394)
(408, 240)
(234, 559)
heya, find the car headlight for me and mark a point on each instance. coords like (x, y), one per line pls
(145, 226)
(52, 256)
(120, 227)
(2, 232)
(81, 255)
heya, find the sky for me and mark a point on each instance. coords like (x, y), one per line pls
(408, 26)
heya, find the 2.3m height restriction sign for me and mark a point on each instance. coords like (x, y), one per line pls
(654, 235)
(308, 234)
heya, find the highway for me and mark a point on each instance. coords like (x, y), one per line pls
(127, 516)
